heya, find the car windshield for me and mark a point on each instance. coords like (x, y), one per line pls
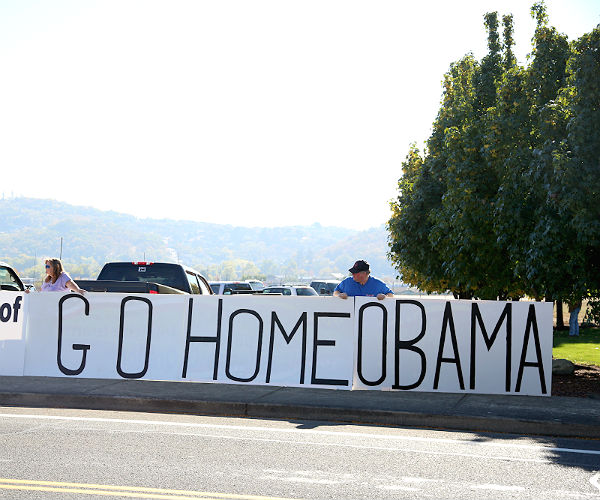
(7, 278)
(163, 274)
(238, 286)
(256, 285)
(324, 287)
(277, 289)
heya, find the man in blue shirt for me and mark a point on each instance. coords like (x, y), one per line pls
(361, 284)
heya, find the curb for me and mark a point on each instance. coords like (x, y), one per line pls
(555, 428)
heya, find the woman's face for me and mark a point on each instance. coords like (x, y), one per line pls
(49, 269)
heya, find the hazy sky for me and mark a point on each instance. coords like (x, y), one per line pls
(253, 113)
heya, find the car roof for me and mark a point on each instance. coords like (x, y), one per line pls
(288, 286)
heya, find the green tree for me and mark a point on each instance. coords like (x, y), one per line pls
(508, 140)
(549, 255)
(415, 257)
(576, 188)
(504, 201)
(464, 225)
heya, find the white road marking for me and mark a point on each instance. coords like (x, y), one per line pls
(426, 484)
(314, 432)
(595, 480)
(393, 487)
(407, 479)
(345, 445)
(293, 479)
(497, 487)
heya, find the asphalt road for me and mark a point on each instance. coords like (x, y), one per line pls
(73, 454)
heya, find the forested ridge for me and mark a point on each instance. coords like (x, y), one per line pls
(31, 229)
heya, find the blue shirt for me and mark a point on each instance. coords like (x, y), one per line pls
(371, 288)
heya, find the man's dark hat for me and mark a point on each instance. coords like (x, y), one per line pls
(359, 265)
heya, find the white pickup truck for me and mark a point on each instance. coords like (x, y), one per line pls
(9, 280)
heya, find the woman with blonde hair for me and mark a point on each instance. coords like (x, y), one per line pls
(57, 280)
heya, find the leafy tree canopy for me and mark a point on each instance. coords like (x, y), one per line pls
(504, 202)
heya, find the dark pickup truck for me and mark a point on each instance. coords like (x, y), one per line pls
(147, 277)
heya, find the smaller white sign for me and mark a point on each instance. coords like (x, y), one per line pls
(12, 338)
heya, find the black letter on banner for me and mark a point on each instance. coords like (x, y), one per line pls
(476, 317)
(148, 338)
(76, 347)
(383, 344)
(409, 345)
(5, 312)
(317, 342)
(229, 340)
(448, 320)
(288, 339)
(16, 307)
(531, 321)
(190, 338)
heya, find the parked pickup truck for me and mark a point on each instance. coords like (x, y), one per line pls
(9, 280)
(147, 277)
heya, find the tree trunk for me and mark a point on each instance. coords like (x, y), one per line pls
(560, 322)
(574, 309)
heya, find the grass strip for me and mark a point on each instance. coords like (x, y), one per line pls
(584, 349)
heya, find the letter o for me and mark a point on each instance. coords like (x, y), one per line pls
(5, 312)
(230, 341)
(359, 368)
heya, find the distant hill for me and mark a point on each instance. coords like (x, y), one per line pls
(32, 228)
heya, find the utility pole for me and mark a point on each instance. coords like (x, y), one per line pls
(60, 256)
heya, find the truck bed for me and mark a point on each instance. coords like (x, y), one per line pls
(125, 287)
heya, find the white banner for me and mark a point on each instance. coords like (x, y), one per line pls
(399, 343)
(105, 335)
(305, 341)
(431, 345)
(12, 338)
